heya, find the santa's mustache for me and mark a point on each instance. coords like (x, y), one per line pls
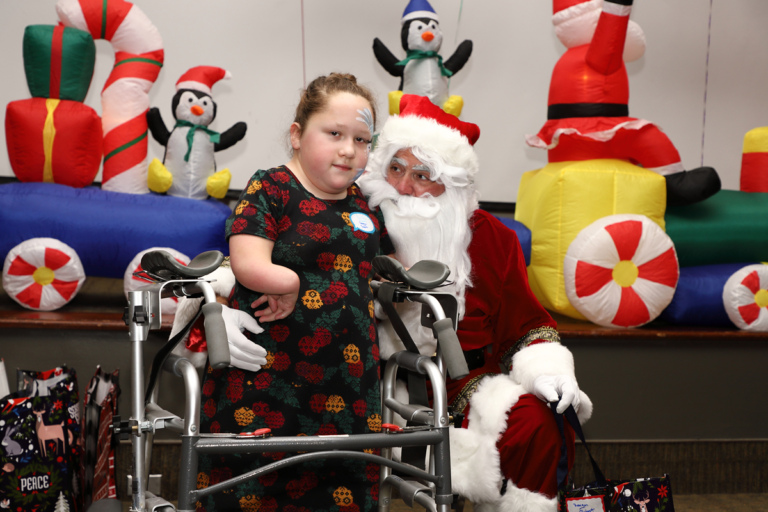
(425, 207)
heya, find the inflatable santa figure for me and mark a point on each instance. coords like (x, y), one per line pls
(588, 113)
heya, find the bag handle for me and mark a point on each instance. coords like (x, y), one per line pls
(562, 466)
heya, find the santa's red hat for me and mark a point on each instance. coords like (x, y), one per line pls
(425, 126)
(202, 78)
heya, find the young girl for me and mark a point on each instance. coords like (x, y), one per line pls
(301, 241)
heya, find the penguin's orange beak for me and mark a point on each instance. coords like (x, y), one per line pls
(197, 110)
(427, 36)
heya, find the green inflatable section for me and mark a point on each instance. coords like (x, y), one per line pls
(71, 57)
(729, 227)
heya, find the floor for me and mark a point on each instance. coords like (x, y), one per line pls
(683, 503)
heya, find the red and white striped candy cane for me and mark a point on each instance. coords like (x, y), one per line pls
(125, 98)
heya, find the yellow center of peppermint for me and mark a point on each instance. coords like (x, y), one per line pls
(43, 276)
(625, 273)
(761, 298)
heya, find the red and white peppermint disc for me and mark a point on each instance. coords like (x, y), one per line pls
(42, 274)
(131, 282)
(745, 297)
(621, 271)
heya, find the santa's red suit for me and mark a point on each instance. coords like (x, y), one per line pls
(507, 454)
(588, 112)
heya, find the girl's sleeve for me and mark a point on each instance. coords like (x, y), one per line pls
(258, 209)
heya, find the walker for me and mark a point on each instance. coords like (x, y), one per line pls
(429, 426)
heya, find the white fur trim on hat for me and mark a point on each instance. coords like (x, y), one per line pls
(447, 144)
(430, 15)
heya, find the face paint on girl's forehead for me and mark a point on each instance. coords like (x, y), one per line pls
(367, 118)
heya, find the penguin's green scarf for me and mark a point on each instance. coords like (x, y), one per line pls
(420, 54)
(214, 136)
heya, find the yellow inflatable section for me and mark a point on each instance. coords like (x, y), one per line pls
(559, 200)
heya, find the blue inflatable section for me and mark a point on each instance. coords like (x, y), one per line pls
(523, 234)
(698, 298)
(108, 229)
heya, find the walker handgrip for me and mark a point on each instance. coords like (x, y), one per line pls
(216, 336)
(453, 356)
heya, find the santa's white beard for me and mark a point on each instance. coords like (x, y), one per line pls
(424, 228)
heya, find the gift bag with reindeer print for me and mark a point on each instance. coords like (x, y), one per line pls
(40, 431)
(604, 495)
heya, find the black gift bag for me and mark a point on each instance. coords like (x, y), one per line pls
(40, 432)
(603, 495)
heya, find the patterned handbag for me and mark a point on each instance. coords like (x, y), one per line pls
(40, 431)
(603, 495)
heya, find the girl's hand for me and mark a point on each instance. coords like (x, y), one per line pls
(278, 306)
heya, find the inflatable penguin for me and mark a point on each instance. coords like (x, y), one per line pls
(423, 71)
(188, 168)
(588, 108)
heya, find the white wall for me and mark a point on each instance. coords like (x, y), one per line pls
(273, 46)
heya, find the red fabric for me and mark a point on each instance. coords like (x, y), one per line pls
(647, 146)
(626, 237)
(530, 447)
(500, 306)
(421, 106)
(595, 73)
(662, 269)
(632, 310)
(196, 339)
(754, 172)
(113, 12)
(56, 49)
(120, 155)
(77, 141)
(575, 81)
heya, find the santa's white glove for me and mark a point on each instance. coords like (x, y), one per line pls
(243, 353)
(551, 388)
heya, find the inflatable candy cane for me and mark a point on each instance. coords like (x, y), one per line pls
(125, 97)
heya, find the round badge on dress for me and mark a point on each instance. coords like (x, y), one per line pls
(362, 222)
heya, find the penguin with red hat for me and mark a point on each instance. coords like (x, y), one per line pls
(423, 72)
(188, 168)
(588, 112)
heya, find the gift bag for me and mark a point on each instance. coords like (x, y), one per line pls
(603, 495)
(40, 431)
(98, 468)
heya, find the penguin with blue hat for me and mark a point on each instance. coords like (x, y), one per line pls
(423, 71)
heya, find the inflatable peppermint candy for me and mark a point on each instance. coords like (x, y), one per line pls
(745, 297)
(42, 274)
(132, 282)
(621, 271)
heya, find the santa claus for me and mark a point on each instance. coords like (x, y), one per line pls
(588, 112)
(421, 175)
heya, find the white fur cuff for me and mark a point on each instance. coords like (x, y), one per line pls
(541, 359)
